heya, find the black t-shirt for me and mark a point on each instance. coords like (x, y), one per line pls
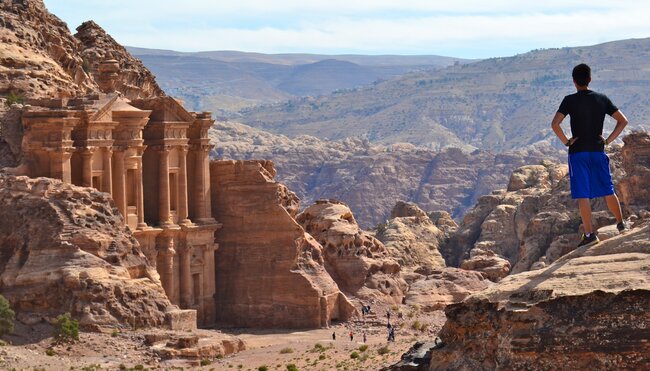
(587, 110)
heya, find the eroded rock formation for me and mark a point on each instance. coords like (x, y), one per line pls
(357, 261)
(270, 273)
(413, 239)
(510, 230)
(40, 58)
(444, 286)
(66, 249)
(587, 310)
(134, 80)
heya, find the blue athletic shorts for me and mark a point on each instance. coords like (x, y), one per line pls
(589, 174)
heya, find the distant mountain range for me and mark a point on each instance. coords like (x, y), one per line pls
(497, 104)
(227, 81)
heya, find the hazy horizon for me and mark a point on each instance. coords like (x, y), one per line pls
(472, 29)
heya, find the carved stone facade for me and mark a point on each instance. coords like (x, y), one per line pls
(124, 148)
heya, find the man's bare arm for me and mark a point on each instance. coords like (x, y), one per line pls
(555, 125)
(621, 122)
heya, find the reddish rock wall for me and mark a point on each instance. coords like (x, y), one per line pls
(65, 249)
(269, 272)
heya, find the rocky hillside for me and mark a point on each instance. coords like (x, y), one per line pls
(372, 178)
(39, 57)
(226, 81)
(499, 103)
(534, 221)
(587, 310)
(64, 250)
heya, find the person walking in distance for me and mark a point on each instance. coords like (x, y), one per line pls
(351, 336)
(588, 164)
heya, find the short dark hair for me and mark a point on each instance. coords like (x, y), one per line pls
(581, 74)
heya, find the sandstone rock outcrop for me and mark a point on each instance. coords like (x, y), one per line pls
(40, 58)
(444, 286)
(269, 272)
(65, 249)
(38, 55)
(530, 222)
(634, 187)
(359, 263)
(587, 310)
(412, 238)
(134, 80)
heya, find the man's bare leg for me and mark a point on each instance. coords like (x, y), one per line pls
(585, 214)
(614, 206)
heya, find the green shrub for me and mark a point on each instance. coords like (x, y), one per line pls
(50, 352)
(383, 350)
(286, 350)
(318, 347)
(263, 368)
(115, 333)
(6, 317)
(66, 329)
(322, 357)
(13, 98)
(363, 348)
(416, 325)
(292, 367)
(354, 355)
(205, 362)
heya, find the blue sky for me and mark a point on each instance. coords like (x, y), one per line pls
(465, 29)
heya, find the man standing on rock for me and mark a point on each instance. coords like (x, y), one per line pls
(588, 164)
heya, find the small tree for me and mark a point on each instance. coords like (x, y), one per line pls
(67, 329)
(6, 317)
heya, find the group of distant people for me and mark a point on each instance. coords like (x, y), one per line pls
(365, 309)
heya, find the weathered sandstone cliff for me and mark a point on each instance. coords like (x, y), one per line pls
(39, 57)
(413, 239)
(134, 81)
(65, 249)
(587, 310)
(269, 272)
(359, 263)
(510, 230)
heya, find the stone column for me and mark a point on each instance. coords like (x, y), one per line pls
(202, 190)
(140, 194)
(119, 183)
(107, 179)
(186, 277)
(60, 165)
(182, 187)
(87, 168)
(164, 216)
(165, 265)
(209, 285)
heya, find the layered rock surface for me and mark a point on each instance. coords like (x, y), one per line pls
(587, 310)
(269, 272)
(40, 58)
(134, 80)
(356, 260)
(65, 249)
(510, 230)
(413, 239)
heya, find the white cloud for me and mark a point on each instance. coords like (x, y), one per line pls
(463, 28)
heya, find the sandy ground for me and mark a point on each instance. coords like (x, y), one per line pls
(31, 347)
